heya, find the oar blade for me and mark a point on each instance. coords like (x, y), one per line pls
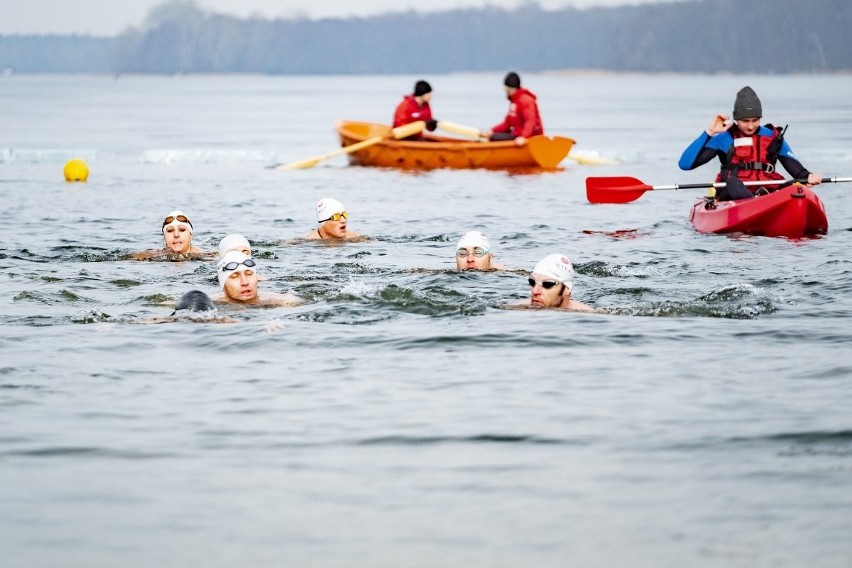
(614, 189)
(301, 164)
(591, 160)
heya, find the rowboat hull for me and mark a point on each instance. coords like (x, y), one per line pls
(539, 152)
(792, 212)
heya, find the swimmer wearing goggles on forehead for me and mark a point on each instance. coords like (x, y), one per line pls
(238, 277)
(474, 253)
(551, 282)
(334, 220)
(177, 237)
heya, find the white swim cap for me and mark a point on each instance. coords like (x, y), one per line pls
(232, 242)
(176, 218)
(231, 258)
(558, 267)
(328, 207)
(474, 239)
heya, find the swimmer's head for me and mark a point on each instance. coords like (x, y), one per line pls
(177, 218)
(473, 252)
(234, 242)
(194, 301)
(326, 207)
(235, 262)
(556, 267)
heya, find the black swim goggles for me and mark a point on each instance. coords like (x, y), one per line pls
(546, 284)
(233, 265)
(478, 252)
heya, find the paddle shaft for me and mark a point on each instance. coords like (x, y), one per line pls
(720, 184)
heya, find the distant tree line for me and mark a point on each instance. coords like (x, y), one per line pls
(708, 36)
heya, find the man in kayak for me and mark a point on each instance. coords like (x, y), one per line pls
(474, 253)
(746, 150)
(551, 281)
(238, 278)
(415, 107)
(523, 119)
(333, 220)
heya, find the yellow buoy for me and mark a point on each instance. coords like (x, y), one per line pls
(76, 170)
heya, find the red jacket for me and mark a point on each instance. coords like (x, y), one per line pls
(523, 118)
(409, 111)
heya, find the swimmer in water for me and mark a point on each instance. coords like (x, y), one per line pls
(239, 278)
(474, 253)
(194, 301)
(551, 282)
(333, 220)
(195, 306)
(234, 242)
(177, 236)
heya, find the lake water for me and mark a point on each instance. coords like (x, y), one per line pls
(401, 417)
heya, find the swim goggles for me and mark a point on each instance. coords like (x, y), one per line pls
(337, 216)
(546, 284)
(233, 265)
(181, 218)
(478, 252)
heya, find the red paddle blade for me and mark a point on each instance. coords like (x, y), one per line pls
(617, 189)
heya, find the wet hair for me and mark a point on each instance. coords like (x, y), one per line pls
(194, 301)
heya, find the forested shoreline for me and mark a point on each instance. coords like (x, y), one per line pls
(710, 36)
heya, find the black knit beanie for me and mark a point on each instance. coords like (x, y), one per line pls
(512, 80)
(421, 88)
(747, 104)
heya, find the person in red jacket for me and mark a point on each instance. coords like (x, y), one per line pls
(415, 107)
(523, 119)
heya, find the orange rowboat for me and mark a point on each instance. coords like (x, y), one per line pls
(539, 152)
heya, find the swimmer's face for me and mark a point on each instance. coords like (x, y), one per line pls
(471, 261)
(177, 237)
(241, 286)
(336, 229)
(544, 297)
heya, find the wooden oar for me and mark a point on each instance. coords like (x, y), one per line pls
(460, 129)
(403, 131)
(623, 189)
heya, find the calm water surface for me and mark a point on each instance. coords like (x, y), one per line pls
(401, 417)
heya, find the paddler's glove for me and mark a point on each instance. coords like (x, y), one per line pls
(431, 125)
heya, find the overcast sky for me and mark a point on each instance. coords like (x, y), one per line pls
(110, 17)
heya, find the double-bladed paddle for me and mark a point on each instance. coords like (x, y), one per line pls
(623, 189)
(403, 131)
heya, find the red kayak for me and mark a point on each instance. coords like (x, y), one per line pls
(792, 212)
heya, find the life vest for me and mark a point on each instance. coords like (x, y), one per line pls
(752, 158)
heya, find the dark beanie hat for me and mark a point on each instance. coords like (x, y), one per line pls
(747, 104)
(421, 88)
(512, 80)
